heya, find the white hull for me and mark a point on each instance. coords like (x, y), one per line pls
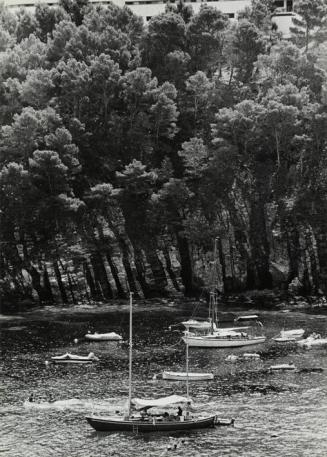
(284, 339)
(216, 342)
(103, 336)
(72, 361)
(180, 376)
(310, 341)
(282, 367)
(297, 333)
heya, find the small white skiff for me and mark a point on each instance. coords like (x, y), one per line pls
(312, 340)
(289, 336)
(183, 376)
(282, 367)
(72, 358)
(112, 336)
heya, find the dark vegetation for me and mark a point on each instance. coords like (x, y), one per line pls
(126, 150)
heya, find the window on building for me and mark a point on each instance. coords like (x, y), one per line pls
(148, 18)
(231, 15)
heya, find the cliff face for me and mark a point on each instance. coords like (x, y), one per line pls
(296, 259)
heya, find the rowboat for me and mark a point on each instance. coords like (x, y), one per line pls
(72, 358)
(112, 336)
(183, 376)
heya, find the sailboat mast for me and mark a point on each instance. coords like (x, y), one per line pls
(187, 384)
(130, 352)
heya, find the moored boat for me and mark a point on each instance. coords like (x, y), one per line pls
(283, 367)
(289, 336)
(150, 425)
(183, 376)
(144, 422)
(112, 336)
(73, 358)
(230, 339)
(313, 340)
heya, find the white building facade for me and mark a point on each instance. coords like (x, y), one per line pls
(149, 8)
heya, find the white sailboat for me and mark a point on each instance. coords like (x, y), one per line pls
(142, 423)
(186, 376)
(220, 337)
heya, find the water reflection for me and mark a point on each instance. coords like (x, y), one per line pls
(277, 413)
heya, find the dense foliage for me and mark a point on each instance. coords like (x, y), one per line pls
(125, 150)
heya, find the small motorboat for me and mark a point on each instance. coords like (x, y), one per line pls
(183, 376)
(289, 336)
(251, 356)
(242, 357)
(313, 340)
(73, 358)
(282, 367)
(249, 317)
(112, 336)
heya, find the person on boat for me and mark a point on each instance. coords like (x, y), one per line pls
(179, 412)
(31, 398)
(51, 398)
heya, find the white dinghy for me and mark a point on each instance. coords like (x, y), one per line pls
(313, 340)
(112, 336)
(73, 358)
(287, 336)
(283, 367)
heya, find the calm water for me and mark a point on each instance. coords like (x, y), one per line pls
(283, 413)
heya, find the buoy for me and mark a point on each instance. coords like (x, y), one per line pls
(46, 363)
(154, 377)
(75, 340)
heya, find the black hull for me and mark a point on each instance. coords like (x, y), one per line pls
(138, 426)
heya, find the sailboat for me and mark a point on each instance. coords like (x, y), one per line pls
(220, 337)
(144, 423)
(186, 376)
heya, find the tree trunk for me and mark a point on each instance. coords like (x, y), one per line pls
(170, 269)
(60, 283)
(186, 265)
(89, 280)
(47, 285)
(36, 283)
(100, 275)
(114, 271)
(259, 276)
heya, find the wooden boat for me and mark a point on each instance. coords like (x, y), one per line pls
(112, 336)
(230, 339)
(313, 340)
(183, 376)
(282, 367)
(72, 358)
(142, 423)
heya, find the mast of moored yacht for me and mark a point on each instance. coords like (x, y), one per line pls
(212, 299)
(187, 385)
(130, 352)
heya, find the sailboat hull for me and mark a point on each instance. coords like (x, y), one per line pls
(102, 424)
(217, 342)
(180, 376)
